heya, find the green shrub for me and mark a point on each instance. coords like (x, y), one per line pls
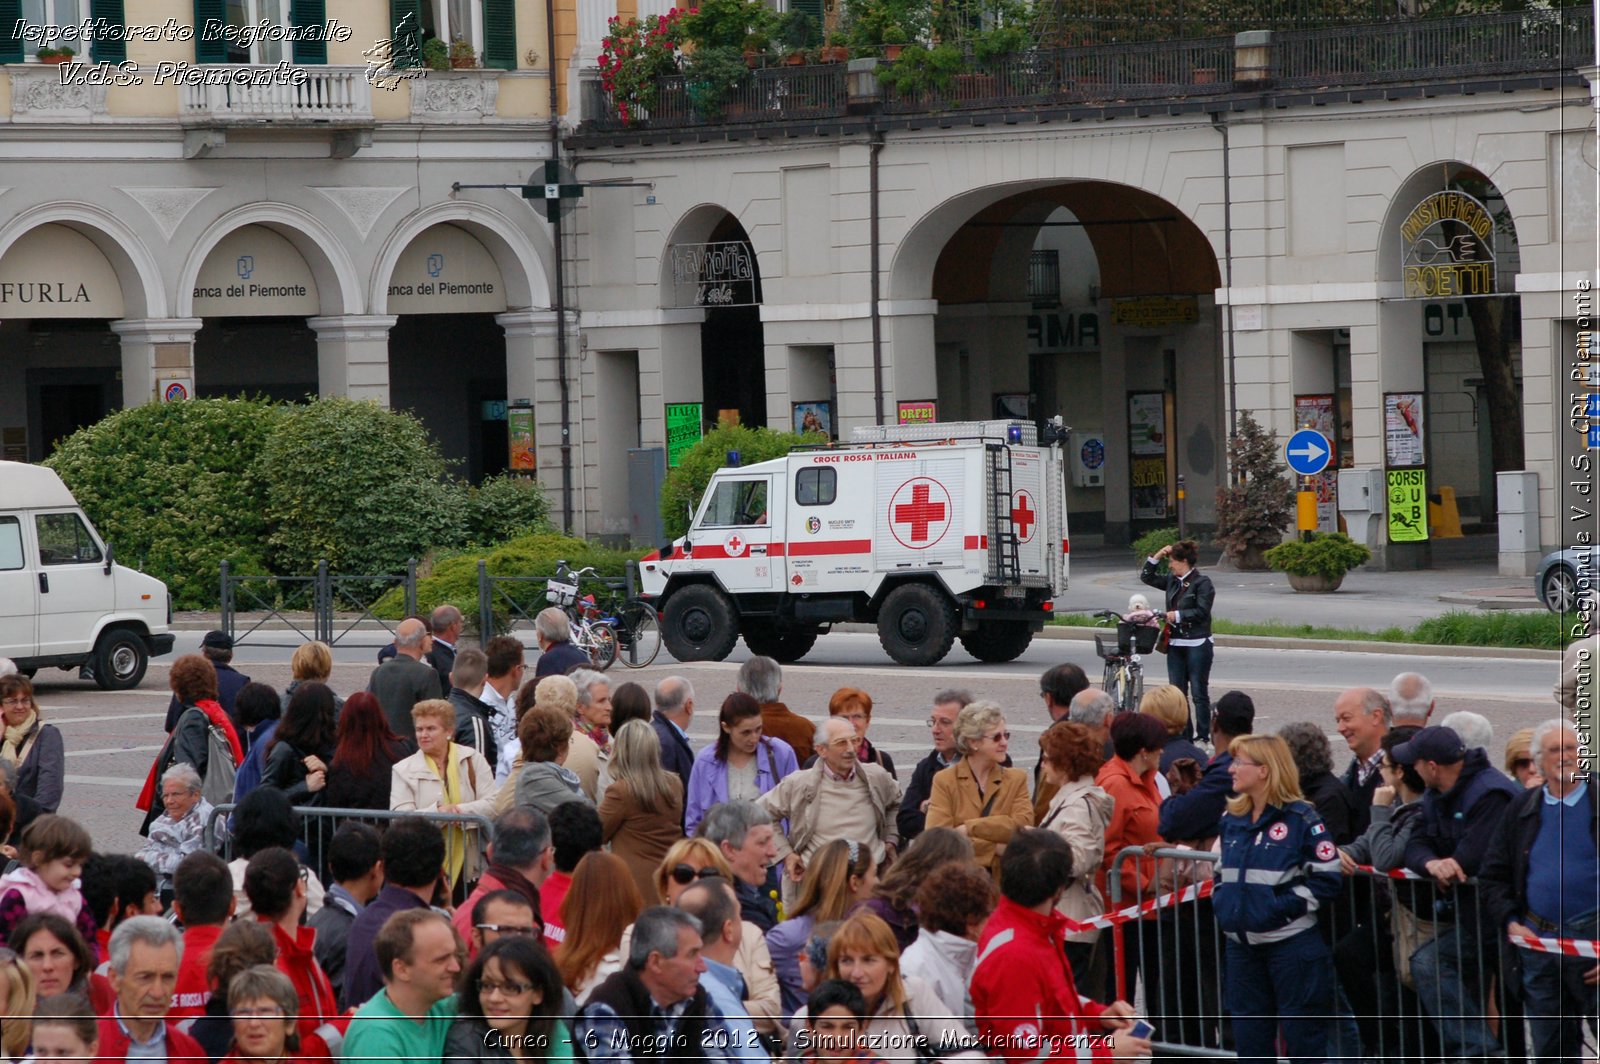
(176, 488)
(1500, 628)
(357, 485)
(1152, 541)
(454, 578)
(923, 71)
(1331, 555)
(1256, 508)
(687, 483)
(505, 507)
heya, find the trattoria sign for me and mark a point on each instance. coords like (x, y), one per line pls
(1447, 248)
(713, 275)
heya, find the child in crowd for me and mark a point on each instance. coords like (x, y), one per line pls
(64, 1028)
(836, 1021)
(52, 851)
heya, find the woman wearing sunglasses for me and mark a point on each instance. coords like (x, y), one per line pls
(510, 1006)
(978, 796)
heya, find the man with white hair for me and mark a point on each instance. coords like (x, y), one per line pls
(1411, 699)
(446, 623)
(1474, 729)
(557, 654)
(838, 797)
(145, 951)
(178, 831)
(674, 711)
(406, 679)
(762, 679)
(1540, 879)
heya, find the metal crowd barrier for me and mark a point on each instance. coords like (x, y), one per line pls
(1411, 962)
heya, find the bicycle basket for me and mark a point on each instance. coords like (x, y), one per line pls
(1101, 651)
(1136, 638)
(559, 593)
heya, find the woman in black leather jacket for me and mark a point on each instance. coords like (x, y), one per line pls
(1189, 595)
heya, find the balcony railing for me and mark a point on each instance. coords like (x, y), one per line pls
(257, 93)
(1416, 50)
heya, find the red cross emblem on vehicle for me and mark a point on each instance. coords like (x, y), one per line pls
(919, 513)
(734, 545)
(1023, 515)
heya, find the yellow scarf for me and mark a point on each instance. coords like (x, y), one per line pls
(455, 839)
(12, 749)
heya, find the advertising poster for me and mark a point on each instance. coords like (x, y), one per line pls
(814, 417)
(683, 430)
(920, 412)
(1149, 499)
(1402, 430)
(1147, 449)
(1408, 505)
(519, 426)
(1319, 412)
(1147, 423)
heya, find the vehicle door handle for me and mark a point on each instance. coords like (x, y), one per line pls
(44, 583)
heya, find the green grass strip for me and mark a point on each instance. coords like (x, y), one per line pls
(1506, 628)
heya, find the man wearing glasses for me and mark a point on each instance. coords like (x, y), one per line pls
(913, 814)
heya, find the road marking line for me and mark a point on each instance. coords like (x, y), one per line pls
(58, 721)
(115, 750)
(103, 781)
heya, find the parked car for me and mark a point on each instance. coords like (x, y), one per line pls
(1557, 580)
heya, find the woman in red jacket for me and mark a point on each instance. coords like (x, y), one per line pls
(1130, 779)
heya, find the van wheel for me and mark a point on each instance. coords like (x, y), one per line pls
(783, 647)
(700, 624)
(917, 624)
(120, 660)
(997, 641)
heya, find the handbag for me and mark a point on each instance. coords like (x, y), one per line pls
(1164, 638)
(1411, 933)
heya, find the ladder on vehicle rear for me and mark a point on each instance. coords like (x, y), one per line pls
(1004, 545)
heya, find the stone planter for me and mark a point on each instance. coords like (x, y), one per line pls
(1314, 583)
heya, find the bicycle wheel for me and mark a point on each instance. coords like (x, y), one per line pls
(639, 636)
(1136, 682)
(602, 646)
(1108, 680)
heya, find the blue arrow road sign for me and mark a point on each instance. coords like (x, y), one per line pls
(1308, 452)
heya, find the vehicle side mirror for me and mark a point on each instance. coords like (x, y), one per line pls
(110, 554)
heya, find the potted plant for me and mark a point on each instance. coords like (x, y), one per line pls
(634, 56)
(1319, 563)
(1255, 510)
(794, 32)
(435, 54)
(923, 71)
(834, 53)
(755, 48)
(462, 56)
(712, 75)
(894, 42)
(54, 55)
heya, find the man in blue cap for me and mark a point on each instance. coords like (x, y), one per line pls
(1461, 808)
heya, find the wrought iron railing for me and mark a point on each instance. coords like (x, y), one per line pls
(785, 93)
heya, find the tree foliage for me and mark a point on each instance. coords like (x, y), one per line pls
(687, 483)
(1255, 510)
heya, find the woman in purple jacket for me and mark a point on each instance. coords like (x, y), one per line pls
(741, 765)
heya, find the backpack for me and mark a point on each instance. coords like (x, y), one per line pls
(217, 787)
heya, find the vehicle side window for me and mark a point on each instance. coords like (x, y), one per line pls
(63, 540)
(10, 543)
(738, 502)
(817, 486)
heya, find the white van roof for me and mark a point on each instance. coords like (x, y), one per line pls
(24, 486)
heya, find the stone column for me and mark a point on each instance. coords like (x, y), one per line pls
(533, 378)
(353, 355)
(154, 349)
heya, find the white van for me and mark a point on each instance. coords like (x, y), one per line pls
(63, 599)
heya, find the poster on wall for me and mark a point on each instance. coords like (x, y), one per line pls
(519, 427)
(1408, 505)
(1147, 423)
(1147, 448)
(683, 430)
(919, 412)
(1320, 412)
(1149, 497)
(1402, 430)
(814, 417)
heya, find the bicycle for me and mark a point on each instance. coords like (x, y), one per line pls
(1123, 679)
(632, 635)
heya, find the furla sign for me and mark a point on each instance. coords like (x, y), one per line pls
(55, 272)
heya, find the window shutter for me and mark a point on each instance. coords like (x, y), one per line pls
(214, 50)
(304, 13)
(10, 43)
(108, 48)
(398, 10)
(500, 34)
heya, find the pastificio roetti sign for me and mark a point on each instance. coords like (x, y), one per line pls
(1446, 248)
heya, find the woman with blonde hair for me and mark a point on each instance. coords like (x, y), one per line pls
(16, 1006)
(601, 903)
(641, 812)
(311, 663)
(1521, 765)
(903, 1013)
(1167, 704)
(839, 875)
(978, 796)
(445, 777)
(1278, 868)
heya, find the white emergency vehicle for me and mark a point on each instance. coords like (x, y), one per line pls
(932, 532)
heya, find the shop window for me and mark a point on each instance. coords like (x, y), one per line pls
(44, 21)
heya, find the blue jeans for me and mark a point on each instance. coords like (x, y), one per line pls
(1556, 999)
(1189, 670)
(1450, 972)
(1287, 984)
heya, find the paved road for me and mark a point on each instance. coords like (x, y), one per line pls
(112, 737)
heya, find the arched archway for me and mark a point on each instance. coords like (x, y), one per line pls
(1091, 300)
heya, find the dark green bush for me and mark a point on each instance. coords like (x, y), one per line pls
(1147, 545)
(1331, 555)
(687, 483)
(357, 485)
(505, 507)
(176, 488)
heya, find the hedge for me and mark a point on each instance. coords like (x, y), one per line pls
(687, 483)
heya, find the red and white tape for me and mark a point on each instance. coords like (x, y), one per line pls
(1570, 947)
(1202, 889)
(1393, 873)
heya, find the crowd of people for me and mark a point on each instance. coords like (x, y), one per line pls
(785, 890)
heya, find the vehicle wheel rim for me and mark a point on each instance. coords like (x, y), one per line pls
(124, 661)
(1559, 592)
(913, 626)
(697, 626)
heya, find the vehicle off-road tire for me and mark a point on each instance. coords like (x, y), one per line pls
(790, 646)
(997, 641)
(917, 624)
(700, 624)
(120, 660)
